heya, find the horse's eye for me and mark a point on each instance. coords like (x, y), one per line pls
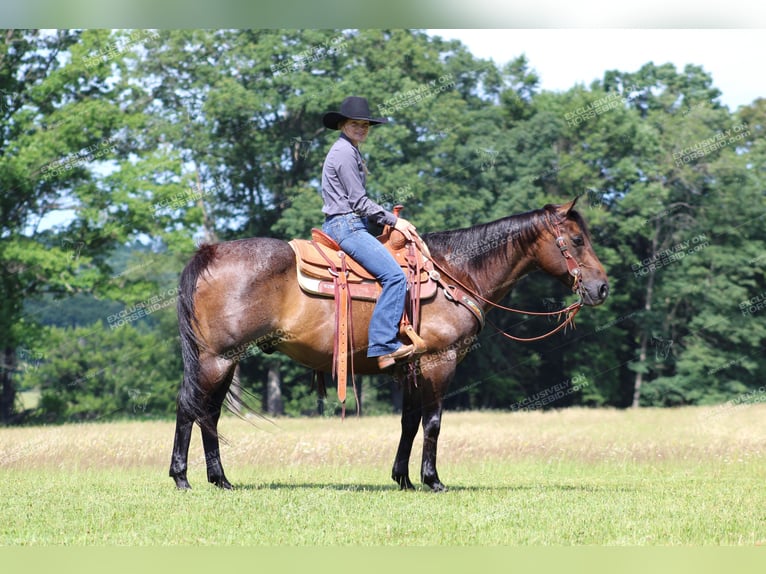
(577, 240)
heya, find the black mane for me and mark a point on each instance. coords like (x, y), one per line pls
(474, 247)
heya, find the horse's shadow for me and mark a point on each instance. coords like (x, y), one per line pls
(347, 487)
(315, 486)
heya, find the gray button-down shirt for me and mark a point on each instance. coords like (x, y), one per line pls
(343, 185)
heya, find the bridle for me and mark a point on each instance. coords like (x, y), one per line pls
(573, 266)
(575, 270)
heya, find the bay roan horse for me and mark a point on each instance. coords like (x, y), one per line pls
(236, 293)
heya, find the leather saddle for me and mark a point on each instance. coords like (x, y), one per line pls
(325, 270)
(320, 258)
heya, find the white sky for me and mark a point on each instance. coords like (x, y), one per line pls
(564, 57)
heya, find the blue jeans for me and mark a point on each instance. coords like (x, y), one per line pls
(350, 232)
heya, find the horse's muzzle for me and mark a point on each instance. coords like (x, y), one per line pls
(595, 293)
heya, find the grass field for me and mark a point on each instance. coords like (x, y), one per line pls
(679, 477)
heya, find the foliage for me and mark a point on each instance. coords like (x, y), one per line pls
(119, 151)
(97, 372)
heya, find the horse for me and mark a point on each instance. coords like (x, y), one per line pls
(236, 293)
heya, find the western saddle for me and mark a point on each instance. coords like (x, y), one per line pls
(325, 270)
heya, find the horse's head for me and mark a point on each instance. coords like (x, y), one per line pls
(569, 256)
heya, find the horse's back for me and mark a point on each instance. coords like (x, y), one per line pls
(262, 254)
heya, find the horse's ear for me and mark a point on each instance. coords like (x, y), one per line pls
(564, 209)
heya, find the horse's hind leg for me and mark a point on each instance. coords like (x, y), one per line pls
(187, 412)
(205, 408)
(209, 426)
(411, 412)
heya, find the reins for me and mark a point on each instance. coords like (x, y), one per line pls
(571, 311)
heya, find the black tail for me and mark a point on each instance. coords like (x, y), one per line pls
(191, 397)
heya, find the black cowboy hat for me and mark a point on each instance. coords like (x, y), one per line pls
(352, 108)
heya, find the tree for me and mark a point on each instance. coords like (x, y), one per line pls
(52, 130)
(66, 203)
(98, 372)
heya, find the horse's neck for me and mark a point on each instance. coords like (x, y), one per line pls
(497, 285)
(493, 272)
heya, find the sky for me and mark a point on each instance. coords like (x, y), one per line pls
(564, 57)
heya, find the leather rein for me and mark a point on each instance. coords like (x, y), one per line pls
(571, 311)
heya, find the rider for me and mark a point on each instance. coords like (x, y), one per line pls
(347, 209)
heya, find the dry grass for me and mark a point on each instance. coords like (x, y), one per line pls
(716, 435)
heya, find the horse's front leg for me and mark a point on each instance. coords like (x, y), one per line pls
(178, 462)
(432, 421)
(411, 411)
(434, 386)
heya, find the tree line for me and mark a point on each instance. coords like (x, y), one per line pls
(121, 151)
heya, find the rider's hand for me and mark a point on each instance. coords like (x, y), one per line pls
(406, 228)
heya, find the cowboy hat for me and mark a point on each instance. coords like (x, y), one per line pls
(352, 108)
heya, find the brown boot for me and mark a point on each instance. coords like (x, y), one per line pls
(402, 353)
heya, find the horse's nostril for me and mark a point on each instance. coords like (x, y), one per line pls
(603, 291)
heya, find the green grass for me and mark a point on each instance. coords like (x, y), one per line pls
(574, 477)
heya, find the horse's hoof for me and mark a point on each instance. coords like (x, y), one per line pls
(404, 482)
(439, 487)
(182, 483)
(221, 482)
